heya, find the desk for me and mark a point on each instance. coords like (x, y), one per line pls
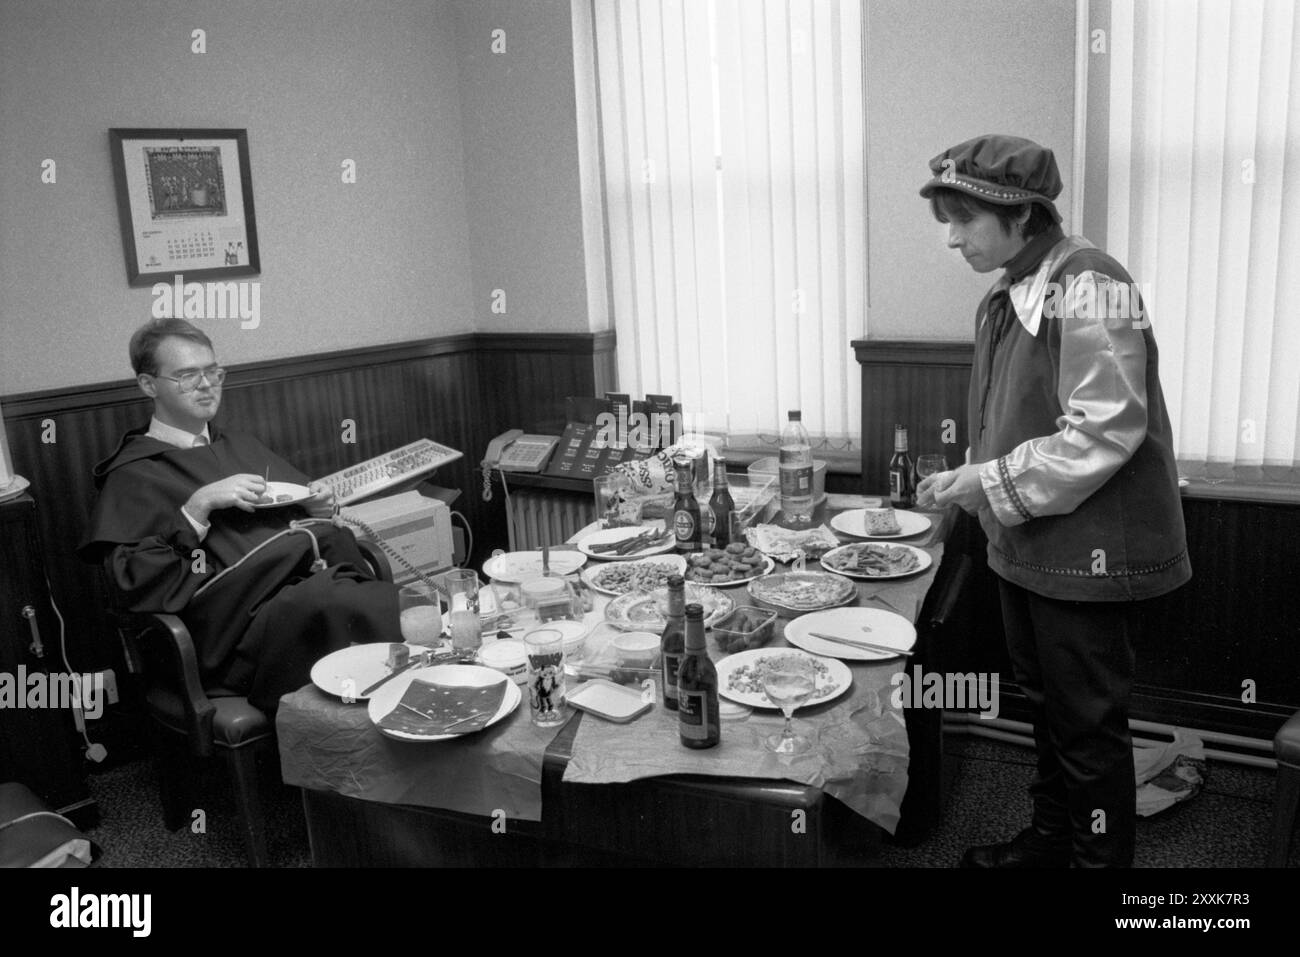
(500, 796)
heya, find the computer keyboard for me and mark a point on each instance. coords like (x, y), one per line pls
(391, 468)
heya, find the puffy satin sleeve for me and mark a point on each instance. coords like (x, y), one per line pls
(1101, 388)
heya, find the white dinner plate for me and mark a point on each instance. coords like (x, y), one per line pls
(848, 552)
(614, 571)
(278, 490)
(16, 486)
(608, 535)
(854, 522)
(876, 625)
(362, 665)
(385, 699)
(833, 678)
(515, 568)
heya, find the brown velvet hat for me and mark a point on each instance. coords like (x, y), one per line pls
(1005, 170)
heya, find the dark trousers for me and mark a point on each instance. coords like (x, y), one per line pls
(1074, 662)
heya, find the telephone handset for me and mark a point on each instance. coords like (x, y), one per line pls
(513, 451)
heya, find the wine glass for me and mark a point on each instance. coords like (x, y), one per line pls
(789, 681)
(931, 464)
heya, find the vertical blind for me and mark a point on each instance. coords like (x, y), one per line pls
(1204, 209)
(730, 138)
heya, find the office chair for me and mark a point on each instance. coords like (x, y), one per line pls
(189, 720)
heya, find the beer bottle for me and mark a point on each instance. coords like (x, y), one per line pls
(686, 510)
(902, 479)
(699, 723)
(721, 505)
(672, 647)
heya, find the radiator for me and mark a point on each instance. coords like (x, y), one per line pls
(536, 517)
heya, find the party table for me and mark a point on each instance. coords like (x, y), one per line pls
(596, 791)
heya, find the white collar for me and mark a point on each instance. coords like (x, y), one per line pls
(173, 436)
(1029, 295)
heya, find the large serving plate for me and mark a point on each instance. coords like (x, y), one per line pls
(643, 611)
(704, 567)
(738, 681)
(515, 568)
(803, 591)
(876, 560)
(876, 625)
(854, 522)
(646, 574)
(385, 699)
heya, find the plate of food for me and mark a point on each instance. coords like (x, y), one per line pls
(349, 671)
(740, 677)
(876, 560)
(647, 611)
(604, 544)
(736, 564)
(874, 625)
(515, 568)
(880, 523)
(471, 697)
(280, 494)
(803, 591)
(646, 574)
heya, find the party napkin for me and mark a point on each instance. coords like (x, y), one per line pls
(429, 707)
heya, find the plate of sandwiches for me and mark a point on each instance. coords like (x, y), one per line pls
(879, 523)
(876, 560)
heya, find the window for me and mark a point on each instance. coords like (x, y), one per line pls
(723, 182)
(1203, 183)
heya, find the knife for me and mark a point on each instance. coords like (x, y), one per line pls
(423, 658)
(863, 645)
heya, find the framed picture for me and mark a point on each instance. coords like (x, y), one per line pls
(185, 198)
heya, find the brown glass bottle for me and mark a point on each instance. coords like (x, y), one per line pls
(686, 510)
(672, 646)
(699, 723)
(721, 505)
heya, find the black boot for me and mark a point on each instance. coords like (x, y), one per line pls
(1029, 848)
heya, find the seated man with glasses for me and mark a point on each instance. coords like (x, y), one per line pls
(263, 593)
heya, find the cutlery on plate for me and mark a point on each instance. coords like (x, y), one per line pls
(419, 658)
(603, 547)
(864, 645)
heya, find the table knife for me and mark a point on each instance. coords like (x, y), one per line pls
(864, 645)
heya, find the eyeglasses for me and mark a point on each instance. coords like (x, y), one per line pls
(189, 381)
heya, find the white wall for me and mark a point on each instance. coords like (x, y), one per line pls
(940, 72)
(313, 82)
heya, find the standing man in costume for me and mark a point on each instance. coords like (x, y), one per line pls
(265, 592)
(1071, 472)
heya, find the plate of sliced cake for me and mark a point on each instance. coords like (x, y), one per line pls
(880, 523)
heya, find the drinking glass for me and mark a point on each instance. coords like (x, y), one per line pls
(421, 614)
(789, 681)
(545, 647)
(931, 464)
(463, 609)
(611, 509)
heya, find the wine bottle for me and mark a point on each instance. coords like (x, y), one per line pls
(721, 505)
(902, 480)
(672, 646)
(686, 510)
(699, 723)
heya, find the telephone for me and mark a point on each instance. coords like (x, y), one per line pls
(513, 451)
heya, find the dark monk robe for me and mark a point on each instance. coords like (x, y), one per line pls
(259, 629)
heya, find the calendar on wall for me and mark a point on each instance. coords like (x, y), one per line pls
(186, 204)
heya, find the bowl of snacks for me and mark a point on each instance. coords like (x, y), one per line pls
(723, 567)
(745, 628)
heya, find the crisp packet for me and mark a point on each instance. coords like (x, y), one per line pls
(787, 544)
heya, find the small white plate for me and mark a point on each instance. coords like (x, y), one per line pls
(361, 665)
(617, 703)
(595, 574)
(836, 676)
(15, 487)
(607, 536)
(923, 560)
(876, 625)
(385, 699)
(515, 568)
(296, 493)
(854, 522)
